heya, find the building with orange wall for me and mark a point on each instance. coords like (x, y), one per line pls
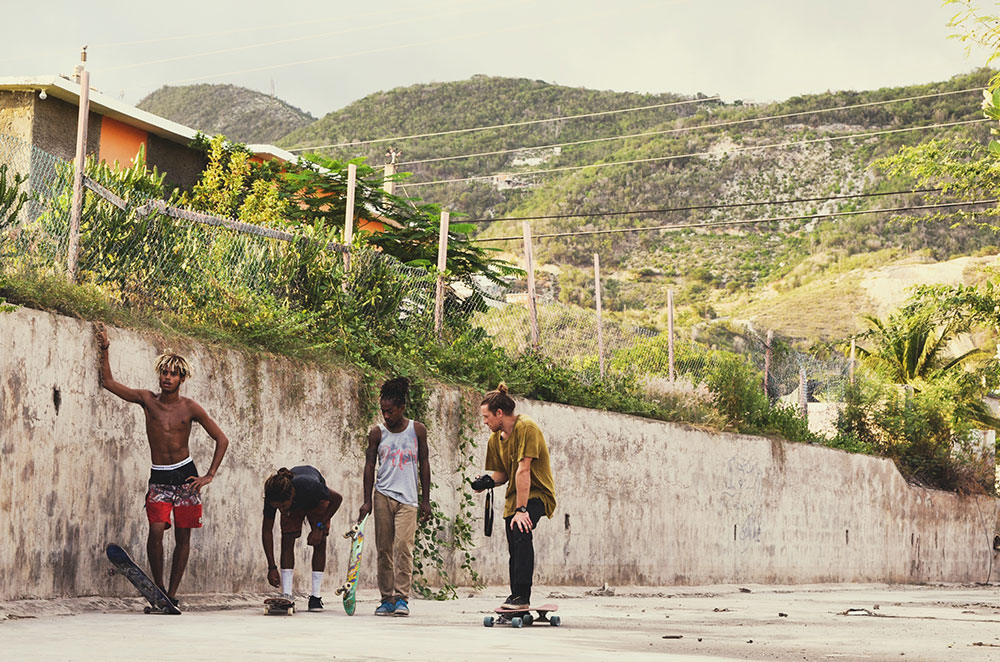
(42, 111)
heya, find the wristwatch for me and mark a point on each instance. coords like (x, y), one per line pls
(521, 509)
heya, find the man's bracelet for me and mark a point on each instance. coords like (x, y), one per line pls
(272, 567)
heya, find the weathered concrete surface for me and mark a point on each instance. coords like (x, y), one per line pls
(871, 622)
(640, 502)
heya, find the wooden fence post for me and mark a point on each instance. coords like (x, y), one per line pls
(670, 334)
(600, 317)
(352, 180)
(803, 394)
(850, 368)
(767, 363)
(83, 117)
(442, 265)
(529, 265)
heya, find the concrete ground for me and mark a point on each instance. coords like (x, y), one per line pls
(812, 622)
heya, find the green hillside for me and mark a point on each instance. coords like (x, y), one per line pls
(240, 114)
(710, 271)
(714, 273)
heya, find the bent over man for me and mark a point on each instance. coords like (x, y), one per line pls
(300, 494)
(516, 454)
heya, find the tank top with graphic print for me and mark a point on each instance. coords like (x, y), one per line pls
(398, 465)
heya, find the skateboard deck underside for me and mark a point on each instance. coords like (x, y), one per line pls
(127, 568)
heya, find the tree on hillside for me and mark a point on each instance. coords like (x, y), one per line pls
(961, 168)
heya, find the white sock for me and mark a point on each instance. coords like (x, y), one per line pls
(317, 582)
(286, 580)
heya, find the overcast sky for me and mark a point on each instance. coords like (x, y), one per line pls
(321, 55)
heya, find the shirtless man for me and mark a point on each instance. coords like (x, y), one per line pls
(174, 483)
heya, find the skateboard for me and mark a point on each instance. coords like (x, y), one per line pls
(349, 589)
(520, 617)
(127, 568)
(278, 606)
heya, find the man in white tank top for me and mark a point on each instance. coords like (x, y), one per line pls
(399, 447)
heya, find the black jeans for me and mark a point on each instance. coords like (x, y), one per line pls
(522, 551)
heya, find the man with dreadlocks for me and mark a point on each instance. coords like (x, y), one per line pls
(174, 483)
(399, 446)
(516, 452)
(299, 493)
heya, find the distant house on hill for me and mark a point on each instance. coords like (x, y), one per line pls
(42, 111)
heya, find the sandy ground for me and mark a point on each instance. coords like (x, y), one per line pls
(815, 622)
(891, 285)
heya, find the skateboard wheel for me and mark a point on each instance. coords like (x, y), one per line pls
(147, 610)
(346, 587)
(266, 611)
(291, 610)
(555, 621)
(528, 619)
(516, 622)
(488, 622)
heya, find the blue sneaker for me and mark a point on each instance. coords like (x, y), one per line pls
(401, 608)
(386, 608)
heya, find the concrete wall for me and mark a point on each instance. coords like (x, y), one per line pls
(639, 501)
(54, 128)
(15, 115)
(182, 164)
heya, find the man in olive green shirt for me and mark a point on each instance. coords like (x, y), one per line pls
(516, 451)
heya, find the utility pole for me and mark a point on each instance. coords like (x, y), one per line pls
(389, 184)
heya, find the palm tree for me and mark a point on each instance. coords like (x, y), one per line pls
(910, 350)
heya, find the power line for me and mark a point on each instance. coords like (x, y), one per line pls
(695, 154)
(505, 126)
(714, 125)
(727, 205)
(749, 221)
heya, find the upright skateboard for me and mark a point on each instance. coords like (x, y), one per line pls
(123, 564)
(279, 606)
(520, 617)
(348, 590)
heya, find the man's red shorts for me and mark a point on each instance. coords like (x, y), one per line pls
(183, 500)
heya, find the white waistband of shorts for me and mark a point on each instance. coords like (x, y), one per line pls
(168, 467)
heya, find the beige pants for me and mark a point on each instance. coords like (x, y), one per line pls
(395, 526)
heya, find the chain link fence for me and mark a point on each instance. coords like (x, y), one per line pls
(145, 253)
